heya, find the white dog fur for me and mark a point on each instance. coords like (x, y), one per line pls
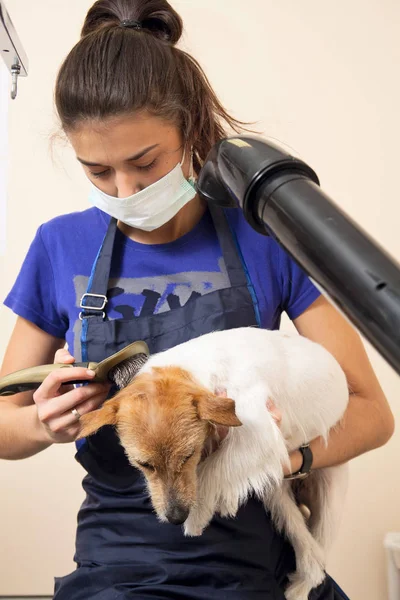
(309, 387)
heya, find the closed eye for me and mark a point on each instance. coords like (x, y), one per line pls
(188, 457)
(147, 167)
(106, 172)
(145, 465)
(101, 174)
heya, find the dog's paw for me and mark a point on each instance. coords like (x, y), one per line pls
(299, 590)
(192, 527)
(192, 532)
(300, 587)
(311, 564)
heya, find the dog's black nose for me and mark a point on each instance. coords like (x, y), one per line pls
(177, 514)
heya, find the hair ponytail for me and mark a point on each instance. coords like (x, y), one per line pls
(117, 70)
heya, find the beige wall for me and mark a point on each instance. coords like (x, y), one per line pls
(321, 77)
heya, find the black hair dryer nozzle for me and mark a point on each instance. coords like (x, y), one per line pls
(280, 196)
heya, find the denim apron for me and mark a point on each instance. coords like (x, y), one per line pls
(122, 551)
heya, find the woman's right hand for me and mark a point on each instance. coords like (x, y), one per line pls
(55, 401)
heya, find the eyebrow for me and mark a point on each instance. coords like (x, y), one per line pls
(135, 157)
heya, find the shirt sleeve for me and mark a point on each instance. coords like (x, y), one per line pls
(298, 292)
(33, 295)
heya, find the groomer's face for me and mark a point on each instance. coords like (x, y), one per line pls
(123, 155)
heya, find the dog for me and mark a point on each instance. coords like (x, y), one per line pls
(169, 414)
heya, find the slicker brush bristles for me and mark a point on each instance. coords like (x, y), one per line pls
(124, 372)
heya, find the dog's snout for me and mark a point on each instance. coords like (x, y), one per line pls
(177, 514)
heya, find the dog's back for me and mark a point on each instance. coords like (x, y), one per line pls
(302, 378)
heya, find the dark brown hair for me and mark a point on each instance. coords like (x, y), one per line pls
(115, 70)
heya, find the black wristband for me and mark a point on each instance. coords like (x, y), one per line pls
(306, 465)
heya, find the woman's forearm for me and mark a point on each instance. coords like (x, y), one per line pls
(364, 427)
(21, 434)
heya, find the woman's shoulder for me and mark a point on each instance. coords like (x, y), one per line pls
(73, 229)
(274, 273)
(78, 221)
(251, 242)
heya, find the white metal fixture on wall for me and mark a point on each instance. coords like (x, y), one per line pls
(4, 99)
(11, 50)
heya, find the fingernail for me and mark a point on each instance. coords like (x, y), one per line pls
(90, 373)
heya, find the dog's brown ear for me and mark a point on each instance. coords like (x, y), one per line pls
(218, 410)
(94, 420)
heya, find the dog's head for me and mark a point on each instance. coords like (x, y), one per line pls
(163, 419)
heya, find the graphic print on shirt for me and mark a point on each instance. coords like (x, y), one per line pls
(129, 298)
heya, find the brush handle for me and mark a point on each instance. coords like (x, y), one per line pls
(32, 378)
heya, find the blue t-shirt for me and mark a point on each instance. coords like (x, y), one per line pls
(148, 279)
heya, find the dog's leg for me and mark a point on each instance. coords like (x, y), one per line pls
(323, 492)
(209, 490)
(200, 515)
(310, 560)
(237, 468)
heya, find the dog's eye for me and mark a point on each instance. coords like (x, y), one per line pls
(187, 457)
(146, 465)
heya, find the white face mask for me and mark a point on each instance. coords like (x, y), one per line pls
(152, 207)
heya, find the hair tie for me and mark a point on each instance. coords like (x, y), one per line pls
(131, 24)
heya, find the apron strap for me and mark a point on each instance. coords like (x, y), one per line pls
(230, 250)
(235, 265)
(94, 301)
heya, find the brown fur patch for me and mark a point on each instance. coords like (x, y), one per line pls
(163, 419)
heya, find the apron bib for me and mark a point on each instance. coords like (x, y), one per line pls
(122, 551)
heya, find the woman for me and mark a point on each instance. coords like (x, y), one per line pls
(151, 261)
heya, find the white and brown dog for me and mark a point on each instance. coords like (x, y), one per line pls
(166, 416)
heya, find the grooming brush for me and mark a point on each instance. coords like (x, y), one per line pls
(119, 368)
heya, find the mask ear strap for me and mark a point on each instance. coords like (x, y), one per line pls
(183, 157)
(191, 171)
